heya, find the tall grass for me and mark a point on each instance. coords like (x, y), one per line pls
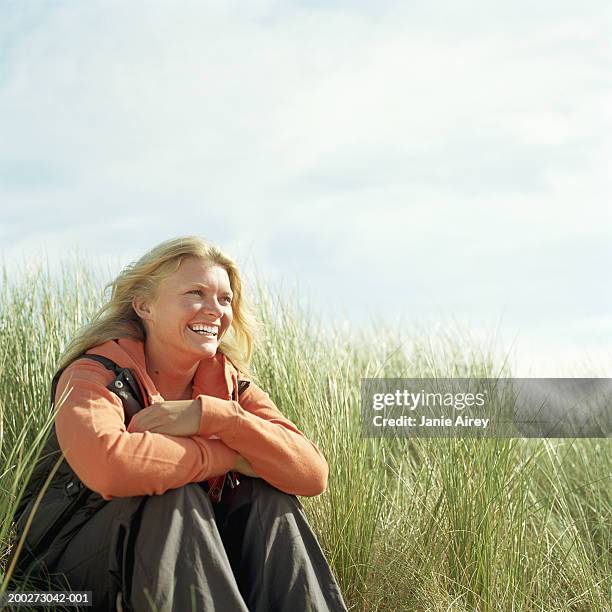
(407, 524)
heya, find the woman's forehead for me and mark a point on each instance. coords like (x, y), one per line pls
(197, 270)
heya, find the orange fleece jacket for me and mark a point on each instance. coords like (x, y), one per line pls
(116, 462)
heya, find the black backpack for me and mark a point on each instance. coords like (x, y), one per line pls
(66, 493)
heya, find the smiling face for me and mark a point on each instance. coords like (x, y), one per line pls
(191, 312)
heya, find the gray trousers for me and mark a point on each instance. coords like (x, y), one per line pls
(178, 552)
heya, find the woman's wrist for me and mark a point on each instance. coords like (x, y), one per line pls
(244, 467)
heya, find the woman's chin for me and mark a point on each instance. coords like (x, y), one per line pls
(205, 346)
(207, 349)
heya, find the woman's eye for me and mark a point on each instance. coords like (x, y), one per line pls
(200, 292)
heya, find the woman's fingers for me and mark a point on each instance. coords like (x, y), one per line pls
(174, 417)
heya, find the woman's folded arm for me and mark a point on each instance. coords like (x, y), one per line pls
(116, 463)
(278, 451)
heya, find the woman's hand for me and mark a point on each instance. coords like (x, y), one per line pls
(174, 418)
(244, 467)
(179, 418)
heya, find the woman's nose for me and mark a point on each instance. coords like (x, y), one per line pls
(213, 308)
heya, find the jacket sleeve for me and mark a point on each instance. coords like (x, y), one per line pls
(116, 463)
(278, 451)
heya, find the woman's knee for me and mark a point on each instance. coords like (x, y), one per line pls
(189, 496)
(270, 496)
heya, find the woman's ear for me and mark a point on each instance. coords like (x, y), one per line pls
(141, 307)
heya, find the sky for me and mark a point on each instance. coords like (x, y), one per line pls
(404, 164)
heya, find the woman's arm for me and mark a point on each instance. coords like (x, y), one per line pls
(115, 463)
(278, 451)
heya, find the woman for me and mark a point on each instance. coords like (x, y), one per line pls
(176, 532)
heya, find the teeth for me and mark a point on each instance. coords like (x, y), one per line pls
(204, 329)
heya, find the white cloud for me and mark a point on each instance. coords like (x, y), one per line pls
(325, 142)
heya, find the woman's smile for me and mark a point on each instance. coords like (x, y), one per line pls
(205, 329)
(203, 334)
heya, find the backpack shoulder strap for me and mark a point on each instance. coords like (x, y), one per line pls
(109, 364)
(124, 385)
(242, 386)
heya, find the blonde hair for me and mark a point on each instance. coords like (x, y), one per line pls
(117, 318)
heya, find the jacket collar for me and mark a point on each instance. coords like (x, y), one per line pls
(215, 376)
